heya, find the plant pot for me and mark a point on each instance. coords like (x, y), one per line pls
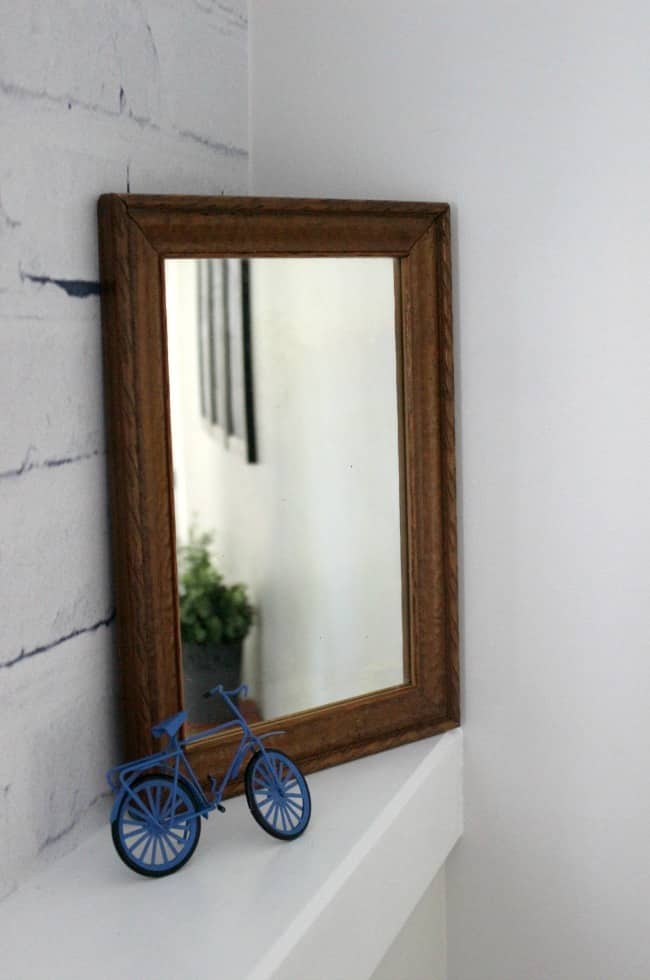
(205, 666)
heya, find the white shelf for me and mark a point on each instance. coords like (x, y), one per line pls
(247, 907)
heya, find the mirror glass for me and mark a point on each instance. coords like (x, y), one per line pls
(284, 416)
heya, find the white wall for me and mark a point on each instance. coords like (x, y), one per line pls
(532, 120)
(312, 528)
(420, 950)
(93, 98)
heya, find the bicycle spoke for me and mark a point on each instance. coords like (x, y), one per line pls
(292, 818)
(168, 804)
(171, 833)
(182, 808)
(177, 820)
(145, 850)
(284, 819)
(277, 819)
(269, 806)
(166, 817)
(135, 805)
(137, 821)
(150, 848)
(173, 843)
(165, 798)
(134, 845)
(293, 808)
(163, 849)
(268, 771)
(134, 833)
(141, 807)
(267, 779)
(151, 803)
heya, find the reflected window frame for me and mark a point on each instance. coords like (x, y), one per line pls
(226, 381)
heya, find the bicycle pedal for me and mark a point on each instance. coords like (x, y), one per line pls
(221, 808)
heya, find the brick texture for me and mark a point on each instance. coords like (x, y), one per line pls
(141, 95)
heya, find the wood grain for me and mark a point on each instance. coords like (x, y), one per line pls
(136, 234)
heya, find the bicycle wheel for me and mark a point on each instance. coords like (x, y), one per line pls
(156, 830)
(277, 794)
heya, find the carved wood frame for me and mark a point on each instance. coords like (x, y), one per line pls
(136, 234)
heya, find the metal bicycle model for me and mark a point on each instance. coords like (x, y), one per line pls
(156, 815)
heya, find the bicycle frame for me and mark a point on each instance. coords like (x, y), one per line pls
(121, 778)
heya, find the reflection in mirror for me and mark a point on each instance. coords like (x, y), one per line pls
(286, 480)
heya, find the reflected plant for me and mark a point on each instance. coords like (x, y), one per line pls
(211, 612)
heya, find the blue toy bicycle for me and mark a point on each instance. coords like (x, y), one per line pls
(156, 816)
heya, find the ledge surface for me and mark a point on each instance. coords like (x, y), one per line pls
(326, 905)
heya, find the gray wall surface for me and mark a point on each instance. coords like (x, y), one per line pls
(532, 121)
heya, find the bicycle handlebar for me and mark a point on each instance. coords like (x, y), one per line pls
(210, 693)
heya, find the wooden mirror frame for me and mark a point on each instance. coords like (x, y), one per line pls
(136, 234)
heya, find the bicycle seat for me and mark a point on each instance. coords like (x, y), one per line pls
(169, 726)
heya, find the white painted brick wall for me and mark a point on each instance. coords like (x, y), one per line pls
(149, 95)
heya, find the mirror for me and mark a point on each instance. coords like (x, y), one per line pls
(283, 401)
(280, 414)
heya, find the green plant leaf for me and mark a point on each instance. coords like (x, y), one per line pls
(210, 611)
